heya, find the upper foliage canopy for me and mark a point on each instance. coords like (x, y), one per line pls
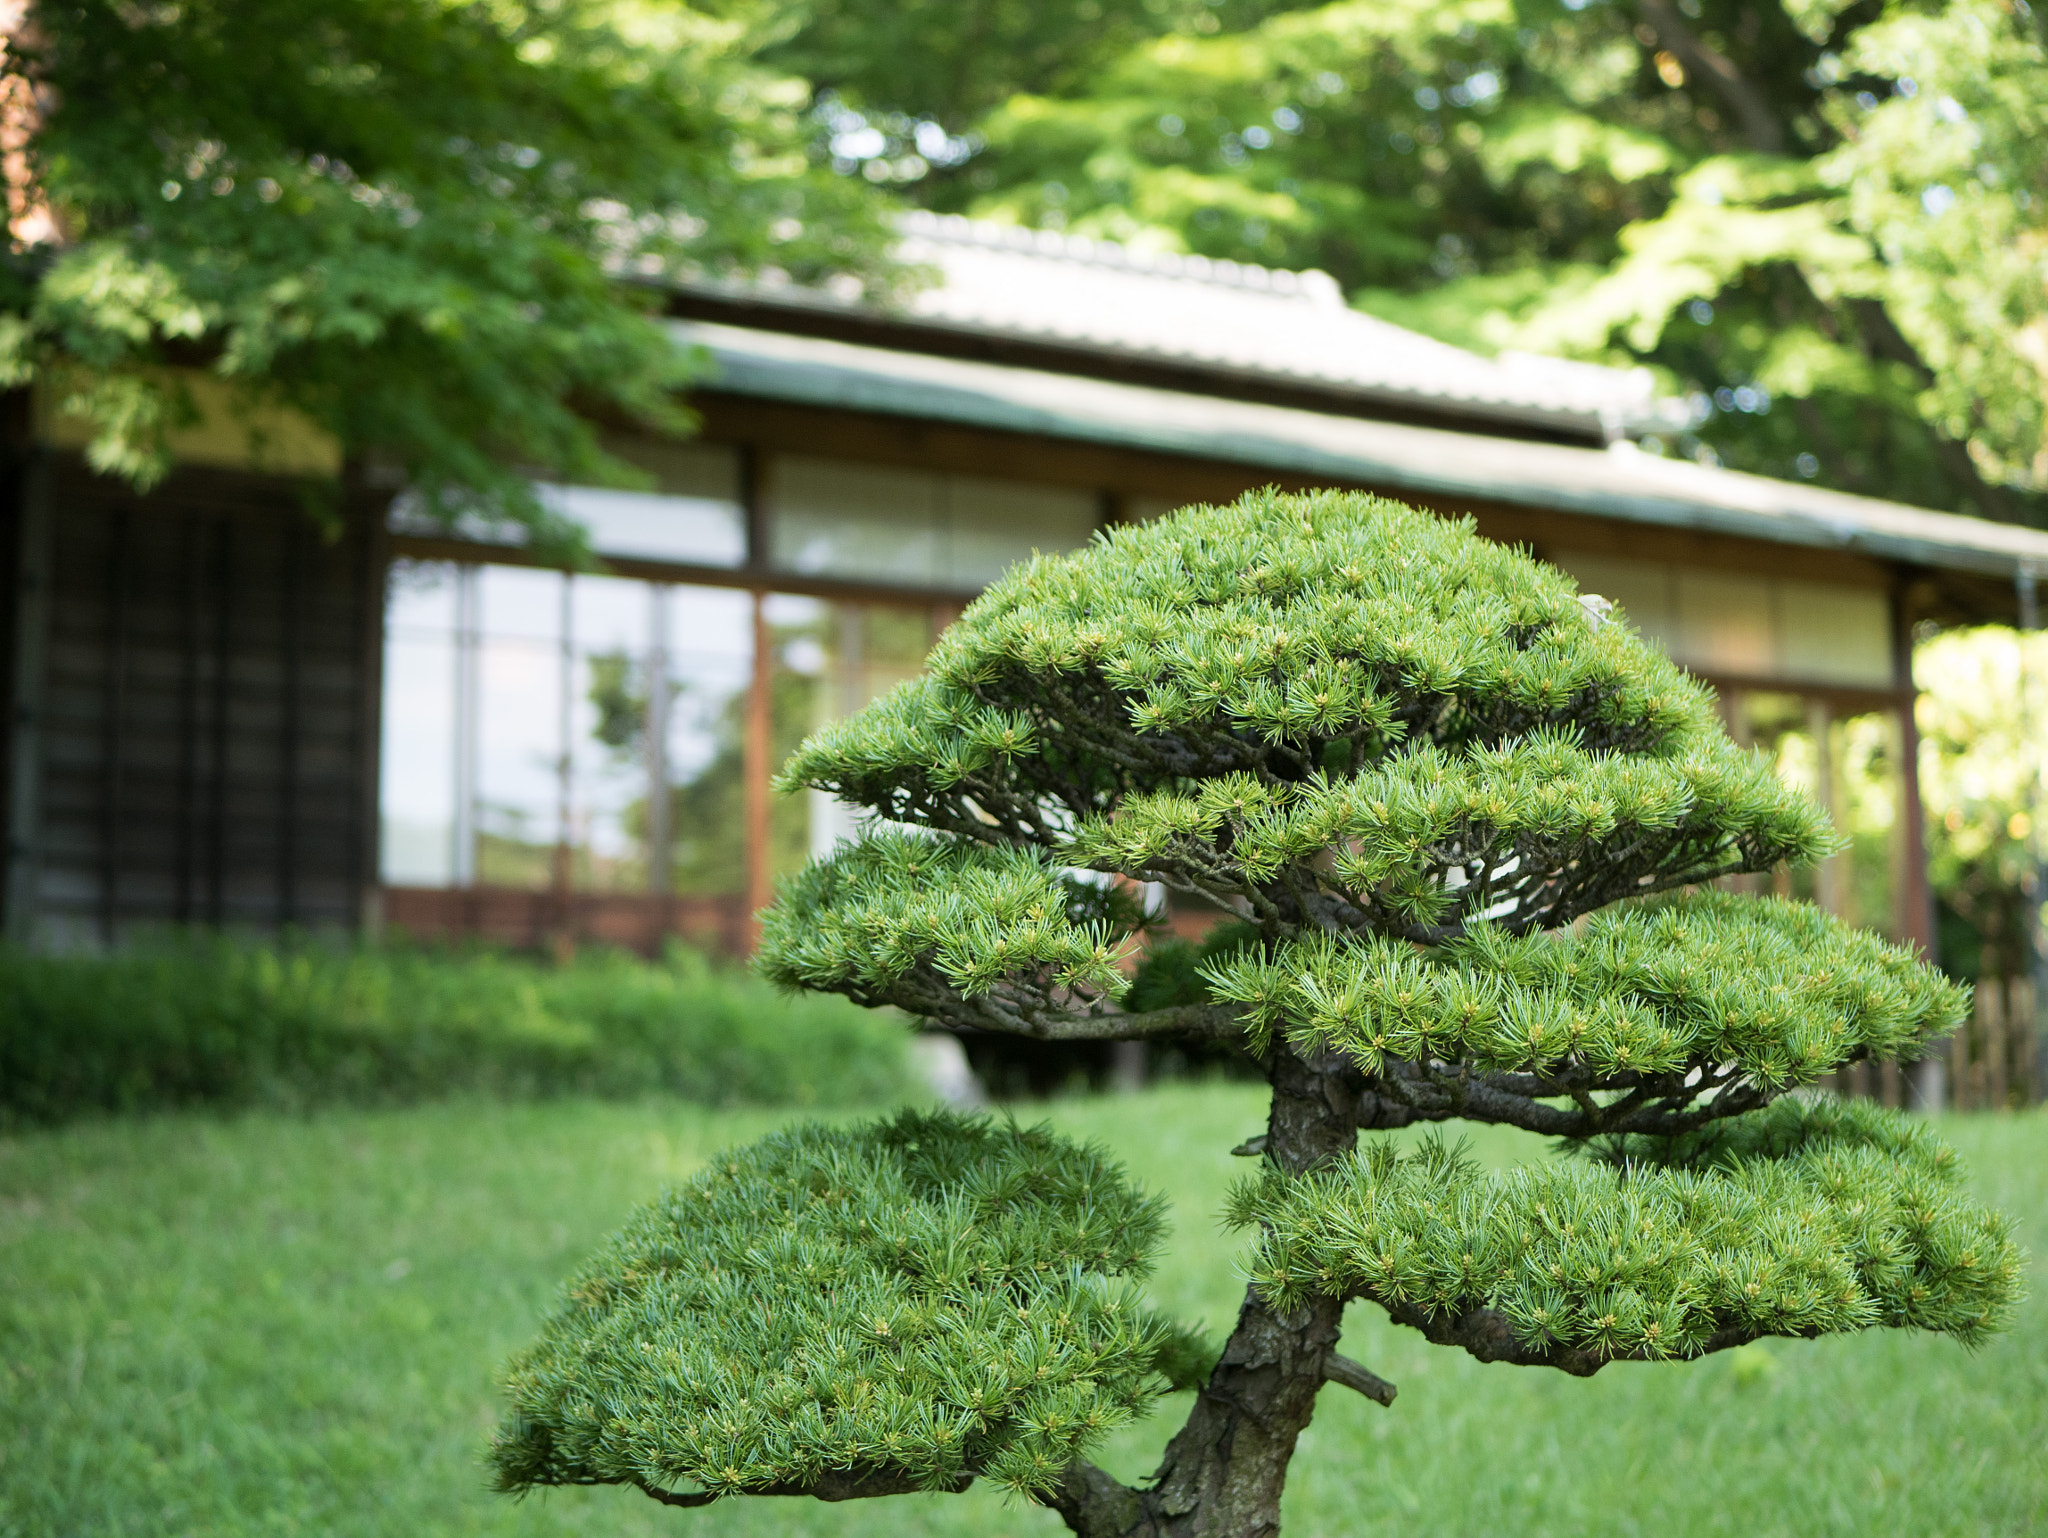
(1408, 760)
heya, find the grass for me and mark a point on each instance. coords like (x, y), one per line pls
(275, 1325)
(183, 1020)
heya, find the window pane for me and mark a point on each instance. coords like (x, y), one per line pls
(614, 638)
(420, 596)
(1726, 622)
(1835, 634)
(831, 518)
(1642, 590)
(710, 642)
(693, 514)
(849, 655)
(416, 798)
(519, 725)
(991, 525)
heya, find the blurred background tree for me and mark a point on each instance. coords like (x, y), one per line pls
(410, 220)
(1824, 223)
(1984, 720)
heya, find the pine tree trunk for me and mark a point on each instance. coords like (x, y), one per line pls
(1224, 1471)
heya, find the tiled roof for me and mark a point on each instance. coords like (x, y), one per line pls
(1234, 321)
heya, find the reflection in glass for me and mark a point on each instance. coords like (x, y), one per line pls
(693, 514)
(529, 718)
(416, 796)
(523, 681)
(915, 528)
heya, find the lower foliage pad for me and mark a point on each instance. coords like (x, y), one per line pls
(1803, 1219)
(906, 1303)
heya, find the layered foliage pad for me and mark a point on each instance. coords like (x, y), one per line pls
(905, 919)
(1803, 1219)
(1777, 991)
(902, 1305)
(1217, 699)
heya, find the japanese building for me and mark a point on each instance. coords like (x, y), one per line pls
(224, 712)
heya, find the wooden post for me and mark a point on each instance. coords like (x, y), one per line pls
(562, 877)
(1913, 896)
(658, 837)
(2027, 594)
(1959, 1064)
(370, 510)
(113, 718)
(1828, 884)
(462, 820)
(1998, 1047)
(757, 769)
(1912, 893)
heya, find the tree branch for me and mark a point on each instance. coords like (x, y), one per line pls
(1489, 1335)
(1095, 1504)
(1760, 124)
(830, 1485)
(1341, 1369)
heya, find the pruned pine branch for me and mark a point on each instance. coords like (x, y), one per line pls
(1341, 1369)
(825, 1485)
(1450, 805)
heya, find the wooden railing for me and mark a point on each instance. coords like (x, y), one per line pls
(549, 920)
(1991, 1059)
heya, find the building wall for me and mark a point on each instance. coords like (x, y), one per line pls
(194, 688)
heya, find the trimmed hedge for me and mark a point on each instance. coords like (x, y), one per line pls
(205, 1020)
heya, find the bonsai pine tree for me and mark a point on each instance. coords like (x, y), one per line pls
(1465, 826)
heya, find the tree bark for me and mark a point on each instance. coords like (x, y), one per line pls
(1224, 1471)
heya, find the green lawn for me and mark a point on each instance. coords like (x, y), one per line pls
(269, 1325)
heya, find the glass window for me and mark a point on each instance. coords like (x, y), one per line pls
(709, 662)
(693, 515)
(416, 798)
(914, 527)
(992, 525)
(612, 627)
(529, 716)
(1642, 589)
(854, 653)
(830, 518)
(1835, 634)
(523, 686)
(1725, 622)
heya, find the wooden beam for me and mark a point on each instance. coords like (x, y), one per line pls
(769, 427)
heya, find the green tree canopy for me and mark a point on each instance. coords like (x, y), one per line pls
(1462, 820)
(430, 227)
(1827, 222)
